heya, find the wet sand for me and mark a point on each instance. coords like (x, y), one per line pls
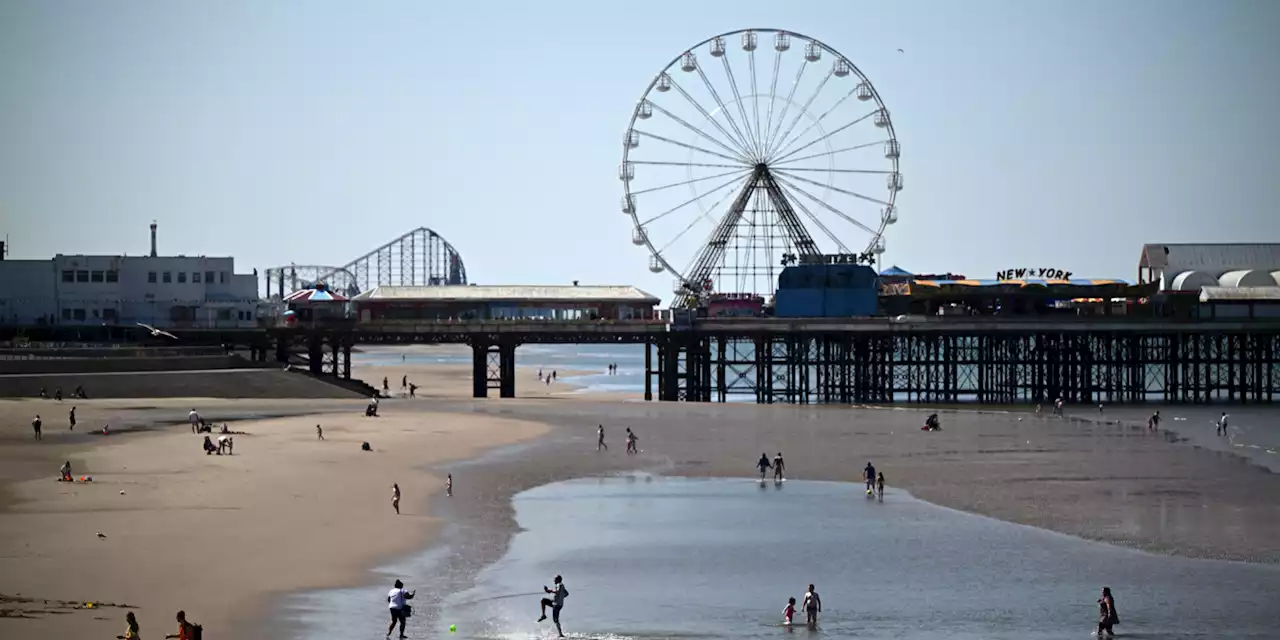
(222, 536)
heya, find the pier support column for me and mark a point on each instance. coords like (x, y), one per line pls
(315, 354)
(346, 360)
(648, 371)
(507, 370)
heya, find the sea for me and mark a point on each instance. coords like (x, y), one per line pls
(653, 557)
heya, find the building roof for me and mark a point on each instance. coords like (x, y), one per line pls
(319, 294)
(511, 293)
(1240, 294)
(1026, 282)
(1211, 257)
(895, 270)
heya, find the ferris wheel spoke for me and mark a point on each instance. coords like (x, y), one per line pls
(707, 114)
(690, 164)
(844, 216)
(825, 137)
(804, 109)
(821, 170)
(817, 121)
(690, 226)
(780, 163)
(728, 115)
(786, 106)
(690, 201)
(773, 92)
(686, 146)
(688, 182)
(832, 187)
(755, 100)
(737, 153)
(795, 202)
(742, 110)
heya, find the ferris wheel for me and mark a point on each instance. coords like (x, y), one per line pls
(751, 149)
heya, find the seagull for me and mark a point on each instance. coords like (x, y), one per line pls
(102, 535)
(901, 51)
(156, 333)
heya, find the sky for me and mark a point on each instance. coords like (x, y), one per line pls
(1034, 133)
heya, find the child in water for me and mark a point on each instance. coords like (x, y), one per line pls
(789, 612)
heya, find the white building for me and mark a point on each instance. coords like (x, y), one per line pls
(1192, 268)
(163, 291)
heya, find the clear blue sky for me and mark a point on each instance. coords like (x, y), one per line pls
(1033, 132)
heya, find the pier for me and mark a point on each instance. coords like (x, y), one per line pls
(874, 360)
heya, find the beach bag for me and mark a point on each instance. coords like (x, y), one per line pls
(197, 632)
(564, 591)
(408, 611)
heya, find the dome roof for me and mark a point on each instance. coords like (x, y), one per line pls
(1192, 281)
(1246, 278)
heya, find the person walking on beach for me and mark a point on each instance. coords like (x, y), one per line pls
(35, 426)
(448, 485)
(395, 498)
(600, 445)
(400, 610)
(631, 441)
(869, 476)
(72, 419)
(764, 466)
(186, 630)
(131, 627)
(386, 386)
(194, 419)
(556, 602)
(1222, 424)
(319, 433)
(779, 468)
(812, 607)
(1153, 423)
(1107, 616)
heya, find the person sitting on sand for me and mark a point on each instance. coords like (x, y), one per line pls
(131, 627)
(209, 447)
(186, 630)
(65, 471)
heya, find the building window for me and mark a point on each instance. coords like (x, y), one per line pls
(113, 276)
(95, 276)
(82, 276)
(109, 315)
(224, 314)
(182, 277)
(78, 314)
(68, 276)
(195, 277)
(222, 277)
(66, 314)
(208, 277)
(151, 277)
(167, 277)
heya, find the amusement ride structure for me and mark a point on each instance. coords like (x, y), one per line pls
(787, 157)
(420, 257)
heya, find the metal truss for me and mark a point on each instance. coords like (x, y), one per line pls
(419, 258)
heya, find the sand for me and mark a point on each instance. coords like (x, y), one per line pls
(217, 535)
(225, 538)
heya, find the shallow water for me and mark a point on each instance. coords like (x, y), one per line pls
(654, 557)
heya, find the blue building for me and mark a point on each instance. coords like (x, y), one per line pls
(827, 291)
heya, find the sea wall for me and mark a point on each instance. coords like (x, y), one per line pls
(238, 383)
(68, 365)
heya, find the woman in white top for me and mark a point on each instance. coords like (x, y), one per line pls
(395, 498)
(400, 610)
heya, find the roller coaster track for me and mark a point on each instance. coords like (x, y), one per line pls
(419, 258)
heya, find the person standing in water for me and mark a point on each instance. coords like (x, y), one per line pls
(400, 610)
(1222, 424)
(1153, 423)
(600, 445)
(764, 466)
(869, 476)
(789, 612)
(395, 498)
(880, 485)
(812, 606)
(448, 485)
(1107, 616)
(779, 468)
(556, 602)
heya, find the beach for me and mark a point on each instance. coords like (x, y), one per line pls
(231, 539)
